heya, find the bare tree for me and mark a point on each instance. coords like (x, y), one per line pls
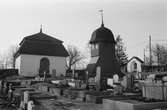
(2, 61)
(160, 51)
(75, 57)
(7, 58)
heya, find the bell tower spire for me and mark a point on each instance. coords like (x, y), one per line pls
(102, 23)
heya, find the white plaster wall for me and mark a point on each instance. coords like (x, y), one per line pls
(130, 65)
(18, 63)
(30, 64)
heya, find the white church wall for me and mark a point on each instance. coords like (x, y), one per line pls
(130, 65)
(59, 64)
(18, 63)
(30, 64)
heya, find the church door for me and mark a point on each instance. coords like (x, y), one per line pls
(44, 66)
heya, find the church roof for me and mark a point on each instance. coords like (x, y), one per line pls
(42, 44)
(102, 34)
(42, 37)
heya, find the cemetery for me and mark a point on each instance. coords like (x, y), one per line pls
(33, 93)
(42, 83)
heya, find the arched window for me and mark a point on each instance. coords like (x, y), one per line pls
(44, 66)
(135, 65)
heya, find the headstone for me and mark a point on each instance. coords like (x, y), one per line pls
(124, 82)
(1, 86)
(26, 97)
(91, 83)
(37, 78)
(44, 76)
(0, 83)
(10, 93)
(22, 105)
(30, 105)
(110, 81)
(164, 78)
(73, 73)
(5, 89)
(116, 78)
(97, 78)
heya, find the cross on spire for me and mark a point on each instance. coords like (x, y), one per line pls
(41, 29)
(101, 11)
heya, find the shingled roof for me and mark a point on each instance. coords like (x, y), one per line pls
(42, 44)
(102, 34)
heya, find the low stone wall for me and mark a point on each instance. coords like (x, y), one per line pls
(131, 105)
(97, 96)
(154, 91)
(99, 99)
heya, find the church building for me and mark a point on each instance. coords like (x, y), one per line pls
(103, 63)
(41, 54)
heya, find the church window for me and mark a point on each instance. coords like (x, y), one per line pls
(135, 65)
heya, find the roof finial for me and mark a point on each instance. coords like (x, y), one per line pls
(41, 29)
(101, 11)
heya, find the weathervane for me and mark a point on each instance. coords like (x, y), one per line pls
(101, 11)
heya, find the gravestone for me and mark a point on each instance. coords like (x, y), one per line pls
(10, 93)
(91, 83)
(25, 98)
(5, 88)
(30, 105)
(115, 78)
(97, 78)
(22, 105)
(110, 81)
(1, 87)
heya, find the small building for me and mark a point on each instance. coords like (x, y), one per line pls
(134, 65)
(103, 63)
(41, 54)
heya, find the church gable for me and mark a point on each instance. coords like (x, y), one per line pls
(134, 65)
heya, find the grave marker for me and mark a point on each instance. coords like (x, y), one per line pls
(97, 78)
(30, 105)
(26, 97)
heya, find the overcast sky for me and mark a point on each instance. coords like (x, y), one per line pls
(73, 21)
